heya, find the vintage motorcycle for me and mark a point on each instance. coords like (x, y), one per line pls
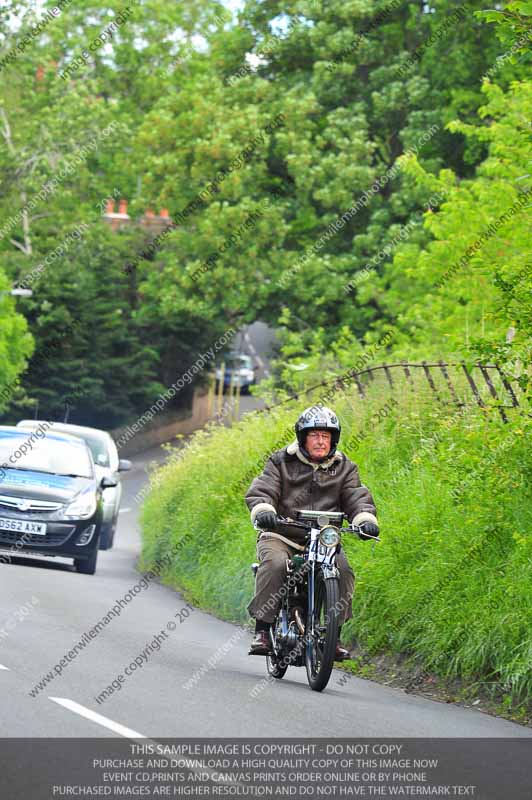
(305, 630)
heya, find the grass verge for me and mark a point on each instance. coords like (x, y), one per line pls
(451, 583)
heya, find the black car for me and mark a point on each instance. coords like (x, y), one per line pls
(106, 462)
(50, 497)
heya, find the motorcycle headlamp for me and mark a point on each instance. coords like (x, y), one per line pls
(329, 536)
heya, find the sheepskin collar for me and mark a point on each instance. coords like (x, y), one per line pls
(294, 449)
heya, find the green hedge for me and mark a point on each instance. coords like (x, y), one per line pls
(451, 582)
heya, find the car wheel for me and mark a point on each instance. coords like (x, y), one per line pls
(87, 566)
(107, 535)
(113, 531)
(105, 538)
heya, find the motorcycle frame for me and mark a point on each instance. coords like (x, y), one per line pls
(328, 569)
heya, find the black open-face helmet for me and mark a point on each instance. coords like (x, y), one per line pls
(318, 418)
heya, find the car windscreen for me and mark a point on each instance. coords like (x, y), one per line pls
(26, 450)
(98, 448)
(239, 362)
(98, 445)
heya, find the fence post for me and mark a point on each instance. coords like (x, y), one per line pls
(430, 379)
(210, 395)
(408, 375)
(359, 386)
(236, 407)
(221, 387)
(443, 368)
(473, 386)
(492, 390)
(508, 386)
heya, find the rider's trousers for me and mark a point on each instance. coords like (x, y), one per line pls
(272, 554)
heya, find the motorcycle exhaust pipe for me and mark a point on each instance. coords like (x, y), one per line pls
(299, 621)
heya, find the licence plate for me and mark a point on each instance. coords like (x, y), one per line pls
(23, 526)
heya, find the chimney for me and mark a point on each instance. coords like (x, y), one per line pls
(155, 223)
(116, 220)
(151, 222)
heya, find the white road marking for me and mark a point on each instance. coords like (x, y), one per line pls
(98, 718)
(128, 733)
(250, 344)
(2, 667)
(254, 353)
(124, 510)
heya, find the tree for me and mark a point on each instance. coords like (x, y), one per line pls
(66, 123)
(350, 105)
(16, 344)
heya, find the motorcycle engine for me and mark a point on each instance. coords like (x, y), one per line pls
(291, 638)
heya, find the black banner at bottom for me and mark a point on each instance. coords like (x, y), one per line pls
(51, 769)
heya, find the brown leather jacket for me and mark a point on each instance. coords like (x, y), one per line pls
(290, 482)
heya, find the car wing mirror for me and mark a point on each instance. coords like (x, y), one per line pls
(124, 465)
(107, 482)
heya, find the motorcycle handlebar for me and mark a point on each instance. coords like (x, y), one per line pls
(308, 524)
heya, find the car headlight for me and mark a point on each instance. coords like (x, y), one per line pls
(82, 507)
(329, 536)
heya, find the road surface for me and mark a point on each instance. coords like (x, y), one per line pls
(156, 700)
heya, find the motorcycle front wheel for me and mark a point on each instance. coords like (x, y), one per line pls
(321, 645)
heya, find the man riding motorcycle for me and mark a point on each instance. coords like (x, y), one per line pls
(309, 473)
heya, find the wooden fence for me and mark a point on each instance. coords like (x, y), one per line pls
(485, 384)
(478, 377)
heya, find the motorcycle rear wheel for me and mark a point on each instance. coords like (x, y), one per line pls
(272, 661)
(272, 665)
(321, 648)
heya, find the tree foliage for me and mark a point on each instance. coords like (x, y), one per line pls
(65, 148)
(298, 148)
(349, 112)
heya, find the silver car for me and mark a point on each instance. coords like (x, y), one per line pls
(239, 371)
(107, 465)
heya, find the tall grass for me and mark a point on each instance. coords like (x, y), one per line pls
(451, 582)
